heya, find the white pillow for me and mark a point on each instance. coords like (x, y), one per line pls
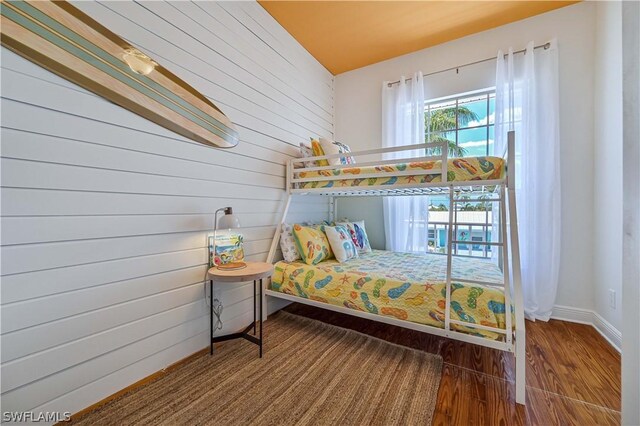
(288, 244)
(358, 234)
(341, 243)
(330, 148)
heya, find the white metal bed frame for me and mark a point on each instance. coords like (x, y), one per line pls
(514, 340)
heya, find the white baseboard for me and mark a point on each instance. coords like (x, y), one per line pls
(608, 331)
(567, 313)
(585, 316)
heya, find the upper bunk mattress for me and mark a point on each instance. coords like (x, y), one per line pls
(458, 170)
(407, 286)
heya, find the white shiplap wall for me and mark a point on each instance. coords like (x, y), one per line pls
(105, 214)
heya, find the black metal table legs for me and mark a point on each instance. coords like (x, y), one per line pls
(260, 304)
(244, 334)
(211, 316)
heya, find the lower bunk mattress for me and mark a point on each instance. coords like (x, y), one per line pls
(406, 286)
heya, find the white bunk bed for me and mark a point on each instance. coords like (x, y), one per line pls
(500, 190)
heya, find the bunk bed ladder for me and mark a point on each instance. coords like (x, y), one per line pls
(447, 304)
(452, 241)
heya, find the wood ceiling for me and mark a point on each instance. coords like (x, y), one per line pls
(345, 35)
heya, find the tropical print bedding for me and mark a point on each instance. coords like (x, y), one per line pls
(401, 285)
(458, 170)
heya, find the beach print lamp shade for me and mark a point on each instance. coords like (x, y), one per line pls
(66, 41)
(226, 251)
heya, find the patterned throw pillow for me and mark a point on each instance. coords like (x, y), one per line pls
(345, 149)
(320, 224)
(306, 151)
(332, 147)
(341, 243)
(317, 151)
(358, 234)
(288, 244)
(312, 244)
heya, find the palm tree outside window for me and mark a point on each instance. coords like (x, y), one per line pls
(465, 122)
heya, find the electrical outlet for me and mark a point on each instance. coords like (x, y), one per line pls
(612, 298)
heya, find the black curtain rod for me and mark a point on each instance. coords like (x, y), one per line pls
(542, 46)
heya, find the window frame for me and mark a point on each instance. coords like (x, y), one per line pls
(456, 97)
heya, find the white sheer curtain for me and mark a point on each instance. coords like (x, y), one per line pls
(405, 218)
(527, 102)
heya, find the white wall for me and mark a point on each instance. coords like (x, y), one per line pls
(358, 111)
(607, 159)
(105, 214)
(631, 214)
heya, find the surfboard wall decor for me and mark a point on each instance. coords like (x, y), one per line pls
(66, 41)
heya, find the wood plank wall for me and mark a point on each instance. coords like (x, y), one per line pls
(105, 214)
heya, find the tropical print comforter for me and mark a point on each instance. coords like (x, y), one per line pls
(458, 170)
(401, 285)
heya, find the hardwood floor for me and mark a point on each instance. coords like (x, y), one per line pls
(573, 374)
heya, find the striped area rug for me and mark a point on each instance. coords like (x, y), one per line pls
(311, 373)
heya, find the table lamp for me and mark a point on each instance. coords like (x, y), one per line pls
(227, 221)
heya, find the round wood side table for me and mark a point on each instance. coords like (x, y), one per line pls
(255, 271)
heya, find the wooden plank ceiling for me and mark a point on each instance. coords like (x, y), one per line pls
(345, 35)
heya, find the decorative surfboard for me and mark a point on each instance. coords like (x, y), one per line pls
(66, 41)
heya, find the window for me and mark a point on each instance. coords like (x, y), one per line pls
(465, 122)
